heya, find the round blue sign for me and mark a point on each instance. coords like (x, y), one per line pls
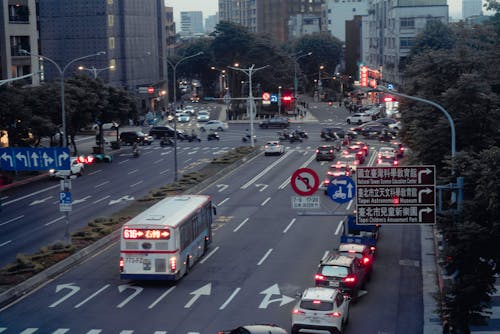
(341, 189)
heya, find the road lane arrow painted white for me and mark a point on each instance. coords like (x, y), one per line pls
(274, 290)
(92, 296)
(205, 290)
(38, 201)
(124, 287)
(70, 286)
(222, 187)
(261, 186)
(81, 200)
(121, 199)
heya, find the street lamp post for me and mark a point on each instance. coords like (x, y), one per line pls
(174, 67)
(279, 100)
(320, 84)
(95, 71)
(249, 72)
(295, 80)
(63, 113)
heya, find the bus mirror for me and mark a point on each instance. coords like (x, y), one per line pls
(214, 208)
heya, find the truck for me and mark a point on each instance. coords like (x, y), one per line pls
(360, 234)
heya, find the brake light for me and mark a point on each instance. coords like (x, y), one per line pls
(379, 161)
(349, 279)
(173, 264)
(326, 182)
(296, 311)
(89, 159)
(373, 248)
(351, 251)
(317, 151)
(319, 277)
(366, 260)
(334, 314)
(395, 162)
(121, 263)
(331, 151)
(316, 302)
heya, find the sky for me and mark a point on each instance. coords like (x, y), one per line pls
(208, 7)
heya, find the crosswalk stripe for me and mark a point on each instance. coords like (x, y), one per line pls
(61, 331)
(29, 330)
(94, 331)
(127, 331)
(3, 329)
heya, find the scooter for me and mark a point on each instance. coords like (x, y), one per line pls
(166, 142)
(386, 137)
(295, 138)
(193, 137)
(302, 133)
(247, 138)
(213, 136)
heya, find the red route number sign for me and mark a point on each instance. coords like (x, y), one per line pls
(304, 181)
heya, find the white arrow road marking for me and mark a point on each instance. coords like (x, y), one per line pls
(222, 187)
(81, 200)
(92, 296)
(240, 225)
(274, 290)
(206, 257)
(235, 292)
(204, 290)
(121, 199)
(426, 171)
(426, 191)
(161, 297)
(59, 287)
(261, 186)
(38, 201)
(124, 287)
(264, 257)
(426, 210)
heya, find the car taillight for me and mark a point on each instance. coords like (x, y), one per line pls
(326, 182)
(331, 151)
(373, 248)
(366, 260)
(173, 264)
(296, 311)
(349, 279)
(121, 264)
(379, 161)
(396, 162)
(317, 151)
(319, 277)
(334, 314)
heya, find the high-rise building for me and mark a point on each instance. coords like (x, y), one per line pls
(131, 32)
(472, 8)
(211, 22)
(191, 23)
(18, 31)
(170, 29)
(390, 29)
(336, 13)
(271, 17)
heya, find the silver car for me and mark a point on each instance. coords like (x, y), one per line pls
(324, 309)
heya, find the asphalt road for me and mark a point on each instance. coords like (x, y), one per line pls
(263, 253)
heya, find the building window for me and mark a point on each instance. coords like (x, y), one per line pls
(111, 43)
(111, 20)
(110, 2)
(405, 42)
(407, 23)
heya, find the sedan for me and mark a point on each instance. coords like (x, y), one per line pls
(359, 118)
(183, 118)
(76, 169)
(274, 148)
(214, 125)
(255, 329)
(203, 116)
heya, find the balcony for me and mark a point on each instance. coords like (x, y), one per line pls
(19, 14)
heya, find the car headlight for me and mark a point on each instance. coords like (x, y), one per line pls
(52, 171)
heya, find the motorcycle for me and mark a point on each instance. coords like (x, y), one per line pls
(302, 133)
(295, 138)
(213, 136)
(193, 137)
(166, 142)
(283, 135)
(247, 138)
(386, 137)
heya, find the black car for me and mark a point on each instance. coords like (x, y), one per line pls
(337, 133)
(275, 122)
(165, 132)
(325, 152)
(341, 272)
(131, 137)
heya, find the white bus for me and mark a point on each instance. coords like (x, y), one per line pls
(166, 240)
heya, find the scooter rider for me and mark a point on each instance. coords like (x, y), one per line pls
(135, 150)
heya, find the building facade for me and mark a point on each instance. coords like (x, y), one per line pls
(303, 24)
(18, 31)
(191, 23)
(472, 8)
(270, 17)
(336, 12)
(131, 32)
(211, 22)
(391, 27)
(170, 31)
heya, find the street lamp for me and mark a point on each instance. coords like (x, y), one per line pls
(63, 113)
(279, 100)
(295, 80)
(174, 67)
(249, 72)
(222, 79)
(320, 84)
(96, 71)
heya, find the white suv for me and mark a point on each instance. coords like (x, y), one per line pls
(359, 118)
(324, 309)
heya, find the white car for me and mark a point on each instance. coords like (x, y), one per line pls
(183, 118)
(359, 118)
(203, 116)
(190, 111)
(76, 166)
(395, 126)
(321, 309)
(274, 147)
(214, 125)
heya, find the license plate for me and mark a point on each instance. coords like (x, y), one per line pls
(334, 283)
(314, 319)
(133, 259)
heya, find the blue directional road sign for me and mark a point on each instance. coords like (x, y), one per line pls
(274, 98)
(341, 189)
(27, 158)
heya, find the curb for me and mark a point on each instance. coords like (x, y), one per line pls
(37, 280)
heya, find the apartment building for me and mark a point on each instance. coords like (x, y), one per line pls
(390, 29)
(337, 12)
(191, 23)
(18, 31)
(131, 32)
